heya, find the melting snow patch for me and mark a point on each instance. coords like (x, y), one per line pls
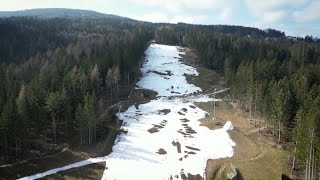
(228, 126)
(137, 150)
(188, 145)
(163, 59)
(164, 138)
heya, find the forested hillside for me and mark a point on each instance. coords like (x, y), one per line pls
(59, 12)
(58, 77)
(278, 81)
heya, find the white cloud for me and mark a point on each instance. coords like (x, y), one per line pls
(309, 14)
(147, 3)
(13, 5)
(274, 16)
(225, 14)
(161, 17)
(20, 5)
(191, 11)
(180, 5)
(183, 19)
(188, 19)
(151, 17)
(273, 4)
(272, 11)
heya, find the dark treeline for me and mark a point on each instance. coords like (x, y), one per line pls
(278, 81)
(173, 34)
(55, 75)
(23, 37)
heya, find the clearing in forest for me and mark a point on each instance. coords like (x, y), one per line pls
(163, 139)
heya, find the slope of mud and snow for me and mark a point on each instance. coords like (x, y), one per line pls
(164, 138)
(164, 73)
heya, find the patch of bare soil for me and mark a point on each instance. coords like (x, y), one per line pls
(153, 130)
(184, 110)
(188, 129)
(184, 120)
(162, 151)
(158, 126)
(168, 73)
(180, 113)
(191, 152)
(148, 94)
(165, 111)
(189, 176)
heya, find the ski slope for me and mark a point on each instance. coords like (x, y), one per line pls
(164, 138)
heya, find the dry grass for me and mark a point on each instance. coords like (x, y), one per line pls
(42, 164)
(256, 156)
(92, 171)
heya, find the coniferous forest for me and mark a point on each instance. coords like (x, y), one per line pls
(278, 81)
(54, 75)
(59, 76)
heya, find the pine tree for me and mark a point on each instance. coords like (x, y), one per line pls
(80, 118)
(53, 104)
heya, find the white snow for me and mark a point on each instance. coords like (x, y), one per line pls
(171, 81)
(134, 154)
(228, 126)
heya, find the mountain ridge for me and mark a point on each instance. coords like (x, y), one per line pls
(58, 12)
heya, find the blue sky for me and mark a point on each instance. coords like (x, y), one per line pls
(295, 17)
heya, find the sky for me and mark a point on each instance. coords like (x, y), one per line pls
(294, 17)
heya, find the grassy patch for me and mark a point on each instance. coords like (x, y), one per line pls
(92, 171)
(42, 164)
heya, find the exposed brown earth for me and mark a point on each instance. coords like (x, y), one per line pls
(153, 130)
(162, 151)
